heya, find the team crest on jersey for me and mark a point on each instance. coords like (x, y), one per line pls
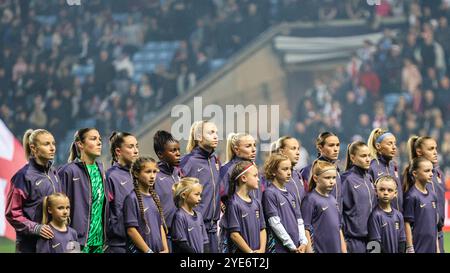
(396, 173)
(433, 204)
(294, 205)
(217, 166)
(397, 225)
(257, 214)
(439, 180)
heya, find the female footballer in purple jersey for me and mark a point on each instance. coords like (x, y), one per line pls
(320, 211)
(240, 147)
(328, 146)
(188, 229)
(359, 197)
(56, 211)
(426, 146)
(124, 151)
(420, 208)
(286, 232)
(29, 186)
(143, 215)
(386, 225)
(83, 181)
(168, 151)
(201, 162)
(383, 148)
(246, 225)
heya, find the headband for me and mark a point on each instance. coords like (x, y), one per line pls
(326, 170)
(383, 136)
(244, 171)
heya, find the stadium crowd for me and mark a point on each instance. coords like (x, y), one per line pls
(403, 78)
(401, 83)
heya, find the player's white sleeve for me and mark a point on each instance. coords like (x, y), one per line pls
(301, 232)
(281, 233)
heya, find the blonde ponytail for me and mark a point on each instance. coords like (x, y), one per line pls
(196, 129)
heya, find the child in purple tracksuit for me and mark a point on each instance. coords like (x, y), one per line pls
(56, 211)
(168, 151)
(420, 208)
(142, 212)
(124, 151)
(188, 229)
(328, 146)
(426, 146)
(386, 226)
(286, 229)
(382, 147)
(320, 211)
(29, 186)
(246, 227)
(204, 165)
(83, 181)
(359, 197)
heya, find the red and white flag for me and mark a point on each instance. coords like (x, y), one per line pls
(12, 158)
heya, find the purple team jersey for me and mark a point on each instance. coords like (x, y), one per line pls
(420, 210)
(296, 186)
(60, 243)
(438, 187)
(189, 228)
(382, 167)
(387, 228)
(283, 204)
(322, 218)
(132, 218)
(247, 218)
(359, 201)
(165, 179)
(120, 183)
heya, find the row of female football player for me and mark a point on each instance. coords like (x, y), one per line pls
(193, 204)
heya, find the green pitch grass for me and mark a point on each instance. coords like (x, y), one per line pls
(7, 246)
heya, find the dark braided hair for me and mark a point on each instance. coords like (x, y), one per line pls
(135, 169)
(160, 139)
(115, 141)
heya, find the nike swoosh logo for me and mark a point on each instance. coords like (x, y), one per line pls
(190, 229)
(356, 186)
(39, 182)
(162, 178)
(383, 225)
(422, 205)
(55, 246)
(199, 170)
(76, 179)
(282, 203)
(123, 182)
(244, 215)
(145, 209)
(324, 209)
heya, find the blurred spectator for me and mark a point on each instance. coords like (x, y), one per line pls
(38, 118)
(411, 77)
